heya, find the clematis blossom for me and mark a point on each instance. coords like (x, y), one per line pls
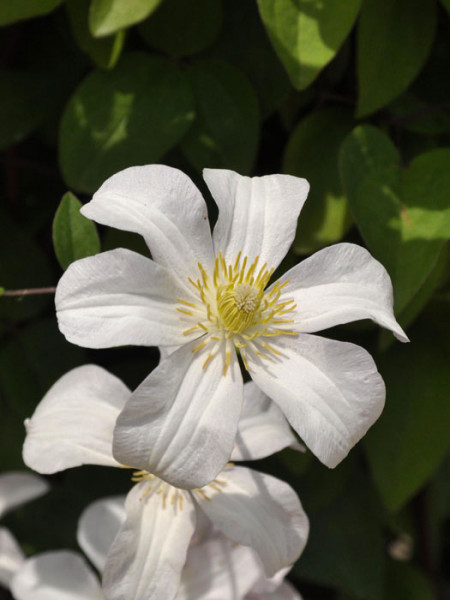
(215, 568)
(74, 425)
(211, 298)
(16, 488)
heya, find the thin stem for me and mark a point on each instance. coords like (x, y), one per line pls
(29, 292)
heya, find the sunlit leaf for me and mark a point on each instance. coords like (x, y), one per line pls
(403, 214)
(306, 35)
(131, 115)
(110, 16)
(104, 52)
(312, 152)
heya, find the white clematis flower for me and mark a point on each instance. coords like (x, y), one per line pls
(209, 296)
(74, 425)
(16, 488)
(215, 568)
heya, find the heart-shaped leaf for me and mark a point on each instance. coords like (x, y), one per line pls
(306, 35)
(131, 115)
(312, 152)
(402, 213)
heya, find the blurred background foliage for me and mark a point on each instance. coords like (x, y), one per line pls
(354, 96)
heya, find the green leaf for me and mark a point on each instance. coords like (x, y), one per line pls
(435, 279)
(446, 4)
(394, 39)
(16, 10)
(104, 52)
(410, 439)
(22, 105)
(306, 35)
(403, 214)
(131, 115)
(225, 132)
(110, 16)
(312, 152)
(345, 549)
(74, 236)
(249, 49)
(183, 27)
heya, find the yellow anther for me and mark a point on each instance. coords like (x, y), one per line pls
(207, 361)
(199, 347)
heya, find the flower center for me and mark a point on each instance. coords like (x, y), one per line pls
(234, 310)
(236, 306)
(170, 496)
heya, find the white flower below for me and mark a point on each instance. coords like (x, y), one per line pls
(215, 569)
(16, 488)
(146, 558)
(210, 297)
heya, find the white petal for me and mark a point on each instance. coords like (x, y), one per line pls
(117, 298)
(73, 424)
(11, 557)
(284, 592)
(164, 206)
(218, 569)
(263, 429)
(339, 284)
(180, 423)
(260, 511)
(257, 216)
(330, 392)
(62, 575)
(19, 487)
(98, 526)
(268, 585)
(147, 556)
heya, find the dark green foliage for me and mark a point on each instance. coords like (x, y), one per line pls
(74, 236)
(354, 96)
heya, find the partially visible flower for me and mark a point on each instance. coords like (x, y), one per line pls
(16, 488)
(58, 575)
(19, 487)
(74, 425)
(216, 568)
(11, 556)
(209, 296)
